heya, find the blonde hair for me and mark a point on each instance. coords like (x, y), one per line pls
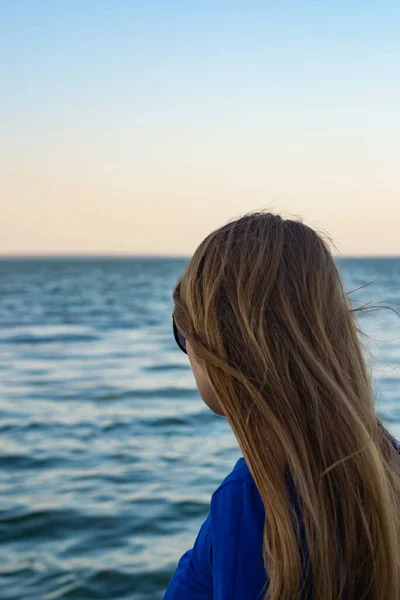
(263, 306)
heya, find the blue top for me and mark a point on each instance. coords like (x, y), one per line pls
(226, 561)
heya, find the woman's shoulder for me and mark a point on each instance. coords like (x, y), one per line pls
(236, 523)
(395, 442)
(239, 476)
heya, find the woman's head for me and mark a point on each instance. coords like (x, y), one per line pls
(258, 291)
(273, 344)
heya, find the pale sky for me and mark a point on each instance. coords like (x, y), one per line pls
(138, 127)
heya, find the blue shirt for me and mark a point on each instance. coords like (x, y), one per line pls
(226, 561)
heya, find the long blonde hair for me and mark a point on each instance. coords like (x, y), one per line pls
(263, 306)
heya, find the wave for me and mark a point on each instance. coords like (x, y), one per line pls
(167, 367)
(49, 339)
(158, 393)
(36, 580)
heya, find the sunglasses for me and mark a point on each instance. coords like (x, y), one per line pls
(179, 338)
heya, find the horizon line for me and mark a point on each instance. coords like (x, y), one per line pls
(155, 255)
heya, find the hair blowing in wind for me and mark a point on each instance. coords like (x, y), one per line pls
(264, 308)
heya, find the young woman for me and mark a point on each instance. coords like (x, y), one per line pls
(312, 510)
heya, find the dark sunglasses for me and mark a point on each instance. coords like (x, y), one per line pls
(179, 338)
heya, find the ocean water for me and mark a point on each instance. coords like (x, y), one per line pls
(108, 455)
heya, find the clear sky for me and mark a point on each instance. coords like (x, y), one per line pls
(136, 127)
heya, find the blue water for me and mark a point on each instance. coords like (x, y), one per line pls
(108, 455)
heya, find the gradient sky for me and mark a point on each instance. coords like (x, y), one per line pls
(138, 127)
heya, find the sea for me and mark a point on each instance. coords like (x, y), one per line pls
(108, 454)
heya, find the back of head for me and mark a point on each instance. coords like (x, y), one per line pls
(264, 309)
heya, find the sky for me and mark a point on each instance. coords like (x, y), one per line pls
(134, 127)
